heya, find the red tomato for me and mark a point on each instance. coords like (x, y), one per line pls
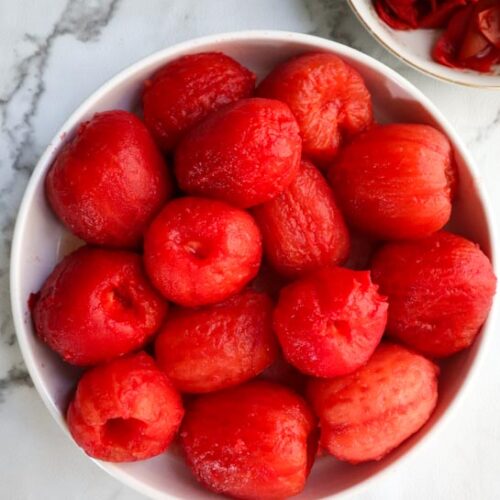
(330, 322)
(96, 305)
(109, 180)
(199, 251)
(255, 441)
(303, 229)
(365, 415)
(125, 410)
(218, 346)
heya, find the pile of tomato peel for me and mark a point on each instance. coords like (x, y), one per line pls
(471, 36)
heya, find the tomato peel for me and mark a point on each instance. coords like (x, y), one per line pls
(471, 37)
(488, 22)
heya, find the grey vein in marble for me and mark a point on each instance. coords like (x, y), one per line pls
(329, 20)
(16, 377)
(84, 20)
(484, 132)
(335, 20)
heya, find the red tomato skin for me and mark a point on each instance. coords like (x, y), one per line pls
(440, 291)
(396, 181)
(97, 304)
(185, 91)
(463, 44)
(329, 322)
(244, 154)
(109, 180)
(125, 410)
(328, 98)
(231, 441)
(365, 415)
(199, 251)
(303, 228)
(218, 346)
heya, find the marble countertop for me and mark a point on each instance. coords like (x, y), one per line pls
(53, 54)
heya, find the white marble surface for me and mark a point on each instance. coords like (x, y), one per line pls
(54, 53)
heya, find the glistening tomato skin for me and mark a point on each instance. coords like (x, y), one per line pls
(244, 154)
(218, 346)
(440, 291)
(330, 321)
(109, 180)
(255, 441)
(365, 415)
(125, 410)
(199, 251)
(186, 90)
(96, 305)
(396, 181)
(302, 227)
(328, 98)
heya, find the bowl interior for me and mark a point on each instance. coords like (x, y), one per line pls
(414, 47)
(41, 241)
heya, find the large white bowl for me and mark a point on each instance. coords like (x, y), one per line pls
(414, 48)
(40, 241)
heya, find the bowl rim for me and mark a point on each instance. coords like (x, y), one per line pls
(276, 36)
(367, 25)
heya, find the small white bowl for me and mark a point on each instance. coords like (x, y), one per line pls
(414, 48)
(40, 241)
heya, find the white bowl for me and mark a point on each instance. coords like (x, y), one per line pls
(40, 241)
(414, 48)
